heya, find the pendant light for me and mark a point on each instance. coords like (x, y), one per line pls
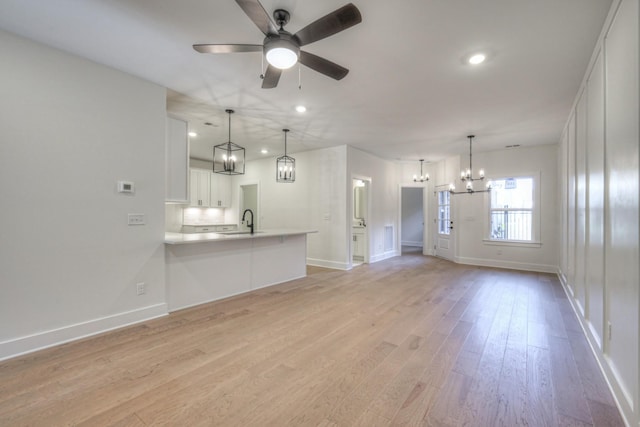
(285, 165)
(466, 176)
(423, 177)
(228, 158)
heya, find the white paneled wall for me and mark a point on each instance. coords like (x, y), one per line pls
(599, 172)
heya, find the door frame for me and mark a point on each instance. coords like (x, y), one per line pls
(436, 234)
(367, 229)
(256, 220)
(425, 216)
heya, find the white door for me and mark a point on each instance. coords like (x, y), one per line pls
(444, 238)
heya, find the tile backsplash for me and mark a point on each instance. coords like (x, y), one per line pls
(202, 216)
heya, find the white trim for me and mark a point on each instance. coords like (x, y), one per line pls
(536, 210)
(411, 243)
(183, 307)
(386, 255)
(30, 343)
(514, 243)
(621, 396)
(328, 264)
(541, 268)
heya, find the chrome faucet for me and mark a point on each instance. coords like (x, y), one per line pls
(250, 225)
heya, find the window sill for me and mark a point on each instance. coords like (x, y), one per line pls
(513, 243)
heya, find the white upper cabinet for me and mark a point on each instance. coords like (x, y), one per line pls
(220, 191)
(176, 161)
(199, 191)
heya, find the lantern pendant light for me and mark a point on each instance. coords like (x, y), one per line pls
(228, 158)
(285, 165)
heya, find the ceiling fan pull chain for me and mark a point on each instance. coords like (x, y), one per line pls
(299, 77)
(262, 67)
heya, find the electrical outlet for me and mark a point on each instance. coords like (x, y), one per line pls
(141, 288)
(136, 219)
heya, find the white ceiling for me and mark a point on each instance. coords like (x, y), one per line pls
(410, 93)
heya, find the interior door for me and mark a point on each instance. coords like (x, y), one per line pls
(444, 234)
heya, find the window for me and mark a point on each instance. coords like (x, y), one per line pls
(444, 212)
(512, 209)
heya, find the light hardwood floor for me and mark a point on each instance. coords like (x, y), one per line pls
(413, 340)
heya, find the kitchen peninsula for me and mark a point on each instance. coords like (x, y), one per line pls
(204, 267)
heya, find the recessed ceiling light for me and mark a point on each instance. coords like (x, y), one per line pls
(301, 108)
(476, 59)
(193, 134)
(264, 151)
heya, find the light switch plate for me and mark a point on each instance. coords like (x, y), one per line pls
(136, 219)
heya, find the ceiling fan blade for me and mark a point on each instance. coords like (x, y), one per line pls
(338, 20)
(227, 48)
(323, 66)
(271, 77)
(258, 15)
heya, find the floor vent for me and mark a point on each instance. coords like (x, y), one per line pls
(388, 238)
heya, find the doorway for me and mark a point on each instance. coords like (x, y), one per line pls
(359, 221)
(249, 200)
(412, 220)
(444, 244)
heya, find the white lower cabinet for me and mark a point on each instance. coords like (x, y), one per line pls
(208, 228)
(358, 244)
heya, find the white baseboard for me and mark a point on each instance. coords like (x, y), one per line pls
(383, 256)
(411, 243)
(30, 343)
(622, 397)
(328, 264)
(511, 265)
(221, 297)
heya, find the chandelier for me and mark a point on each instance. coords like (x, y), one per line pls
(466, 176)
(423, 177)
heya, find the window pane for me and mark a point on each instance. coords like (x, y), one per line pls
(443, 212)
(511, 225)
(514, 193)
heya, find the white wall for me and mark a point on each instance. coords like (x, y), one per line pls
(70, 130)
(316, 200)
(471, 211)
(412, 216)
(600, 238)
(384, 195)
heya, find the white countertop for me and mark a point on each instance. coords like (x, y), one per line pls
(183, 238)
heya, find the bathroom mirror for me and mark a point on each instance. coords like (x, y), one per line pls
(359, 202)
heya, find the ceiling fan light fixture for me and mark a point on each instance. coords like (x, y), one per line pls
(281, 52)
(282, 58)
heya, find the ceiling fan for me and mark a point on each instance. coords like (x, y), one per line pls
(281, 48)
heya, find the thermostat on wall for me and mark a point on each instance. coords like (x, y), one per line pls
(126, 187)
